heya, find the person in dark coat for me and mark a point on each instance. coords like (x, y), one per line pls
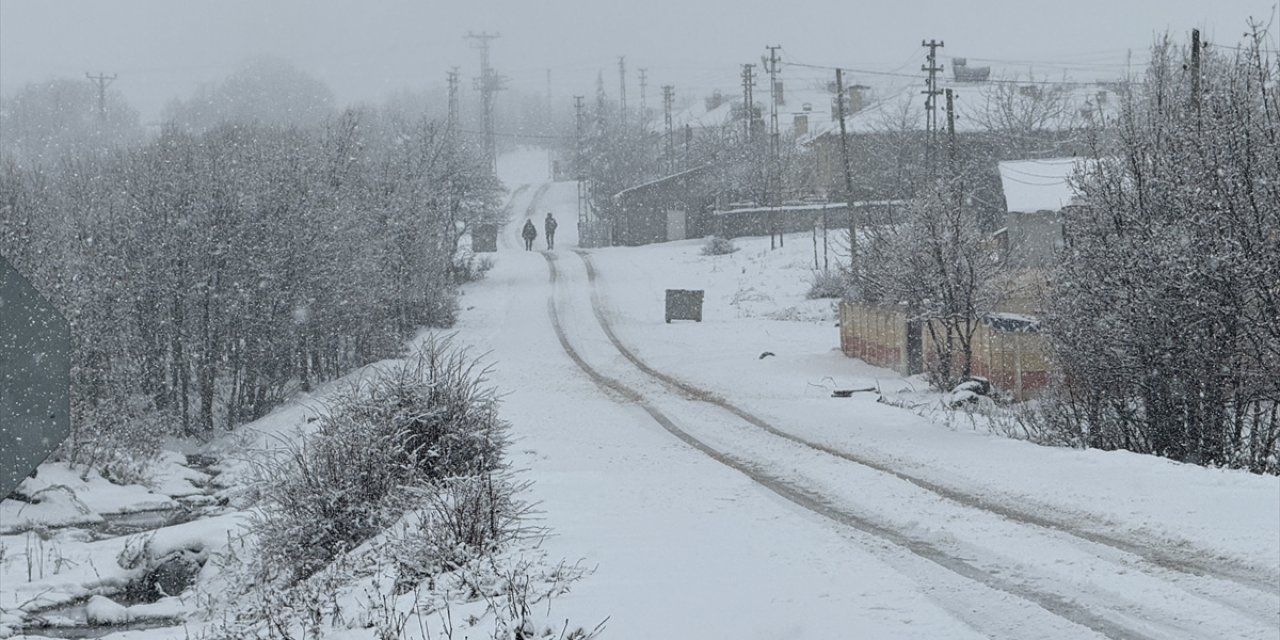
(529, 233)
(551, 231)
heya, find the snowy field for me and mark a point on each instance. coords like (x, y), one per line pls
(721, 493)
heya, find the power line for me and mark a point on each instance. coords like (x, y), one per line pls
(1214, 45)
(914, 76)
(855, 70)
(508, 134)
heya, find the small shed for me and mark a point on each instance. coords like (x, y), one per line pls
(670, 208)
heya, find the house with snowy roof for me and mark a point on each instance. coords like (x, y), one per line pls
(1037, 195)
(890, 147)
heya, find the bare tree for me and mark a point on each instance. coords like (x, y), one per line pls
(1165, 316)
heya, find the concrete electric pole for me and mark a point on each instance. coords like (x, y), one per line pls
(931, 101)
(489, 84)
(102, 80)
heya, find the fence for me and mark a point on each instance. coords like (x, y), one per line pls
(1008, 349)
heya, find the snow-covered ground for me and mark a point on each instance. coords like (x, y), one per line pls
(722, 493)
(919, 526)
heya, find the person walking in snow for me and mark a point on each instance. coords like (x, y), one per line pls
(529, 233)
(551, 231)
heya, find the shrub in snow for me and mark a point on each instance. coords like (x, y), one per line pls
(411, 428)
(1165, 315)
(119, 436)
(826, 284)
(976, 385)
(457, 521)
(1039, 421)
(471, 268)
(717, 246)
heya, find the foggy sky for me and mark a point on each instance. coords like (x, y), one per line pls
(162, 49)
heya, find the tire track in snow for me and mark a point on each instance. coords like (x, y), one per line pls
(1180, 572)
(532, 210)
(1062, 607)
(1168, 560)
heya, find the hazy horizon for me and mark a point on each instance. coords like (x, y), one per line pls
(162, 50)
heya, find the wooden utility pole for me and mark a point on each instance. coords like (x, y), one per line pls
(953, 164)
(102, 80)
(848, 175)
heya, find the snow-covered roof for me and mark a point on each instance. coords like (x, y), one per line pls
(797, 94)
(817, 206)
(666, 178)
(897, 106)
(890, 104)
(1038, 185)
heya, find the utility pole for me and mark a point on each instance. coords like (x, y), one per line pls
(451, 155)
(644, 108)
(748, 81)
(451, 134)
(668, 98)
(102, 81)
(622, 89)
(548, 93)
(848, 175)
(773, 95)
(1195, 72)
(489, 83)
(578, 118)
(931, 101)
(774, 185)
(952, 149)
(452, 122)
(953, 164)
(688, 147)
(584, 205)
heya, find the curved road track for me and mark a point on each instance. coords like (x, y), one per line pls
(1006, 570)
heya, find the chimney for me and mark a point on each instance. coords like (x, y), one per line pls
(857, 97)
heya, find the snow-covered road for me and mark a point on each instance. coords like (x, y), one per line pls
(784, 513)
